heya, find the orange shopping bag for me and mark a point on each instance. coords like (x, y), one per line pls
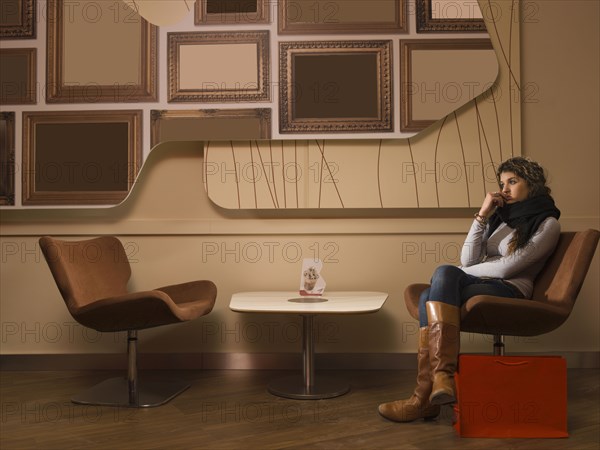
(511, 396)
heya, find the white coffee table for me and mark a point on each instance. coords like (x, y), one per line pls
(306, 386)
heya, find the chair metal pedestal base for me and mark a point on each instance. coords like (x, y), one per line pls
(116, 392)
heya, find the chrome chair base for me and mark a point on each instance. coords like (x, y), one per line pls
(117, 392)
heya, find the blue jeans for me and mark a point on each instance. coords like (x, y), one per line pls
(453, 286)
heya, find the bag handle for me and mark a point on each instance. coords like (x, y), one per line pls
(506, 363)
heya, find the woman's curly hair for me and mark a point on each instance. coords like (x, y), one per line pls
(533, 174)
(529, 170)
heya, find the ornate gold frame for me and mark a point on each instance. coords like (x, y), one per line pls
(28, 85)
(202, 17)
(261, 93)
(57, 91)
(427, 24)
(330, 25)
(7, 158)
(288, 121)
(407, 123)
(262, 114)
(32, 195)
(27, 28)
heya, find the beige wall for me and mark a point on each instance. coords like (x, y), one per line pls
(174, 233)
(560, 70)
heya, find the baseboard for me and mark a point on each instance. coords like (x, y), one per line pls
(245, 361)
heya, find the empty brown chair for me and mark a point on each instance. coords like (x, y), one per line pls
(92, 276)
(554, 293)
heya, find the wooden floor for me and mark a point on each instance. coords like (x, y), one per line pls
(233, 410)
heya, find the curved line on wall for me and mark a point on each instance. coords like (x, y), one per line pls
(462, 150)
(237, 181)
(265, 174)
(326, 164)
(506, 60)
(253, 175)
(205, 170)
(283, 176)
(273, 173)
(435, 160)
(412, 158)
(296, 172)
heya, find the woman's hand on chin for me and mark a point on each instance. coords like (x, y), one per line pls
(492, 201)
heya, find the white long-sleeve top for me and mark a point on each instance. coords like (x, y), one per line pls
(487, 257)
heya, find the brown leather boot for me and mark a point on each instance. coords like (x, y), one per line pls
(444, 344)
(417, 406)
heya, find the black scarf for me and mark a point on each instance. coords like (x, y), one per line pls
(524, 216)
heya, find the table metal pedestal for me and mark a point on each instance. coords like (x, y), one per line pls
(306, 386)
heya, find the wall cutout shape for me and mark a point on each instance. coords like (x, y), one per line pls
(225, 57)
(450, 164)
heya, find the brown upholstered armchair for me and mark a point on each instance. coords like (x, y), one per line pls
(554, 294)
(92, 276)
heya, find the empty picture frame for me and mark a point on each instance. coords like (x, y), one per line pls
(80, 157)
(207, 12)
(210, 125)
(219, 66)
(342, 16)
(100, 52)
(18, 76)
(461, 16)
(17, 19)
(335, 86)
(7, 158)
(440, 75)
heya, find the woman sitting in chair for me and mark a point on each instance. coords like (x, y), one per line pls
(512, 235)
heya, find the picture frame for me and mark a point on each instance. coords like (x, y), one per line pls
(240, 69)
(18, 19)
(220, 12)
(107, 55)
(448, 16)
(342, 17)
(210, 125)
(80, 157)
(18, 76)
(317, 96)
(429, 90)
(7, 158)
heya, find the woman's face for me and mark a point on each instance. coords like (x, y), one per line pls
(513, 187)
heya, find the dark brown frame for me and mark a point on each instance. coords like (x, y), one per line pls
(33, 196)
(7, 158)
(399, 25)
(27, 28)
(260, 94)
(407, 123)
(202, 17)
(262, 114)
(427, 24)
(29, 84)
(289, 123)
(58, 92)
